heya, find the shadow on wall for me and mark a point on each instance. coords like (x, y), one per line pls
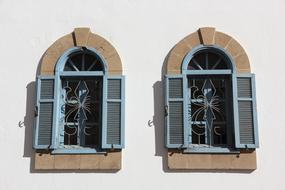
(29, 123)
(159, 118)
(29, 119)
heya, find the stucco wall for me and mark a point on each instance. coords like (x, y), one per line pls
(143, 32)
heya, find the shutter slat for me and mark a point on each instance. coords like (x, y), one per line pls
(114, 89)
(176, 135)
(47, 86)
(175, 88)
(246, 122)
(113, 122)
(244, 87)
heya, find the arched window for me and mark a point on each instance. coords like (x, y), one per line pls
(209, 97)
(80, 109)
(210, 106)
(80, 73)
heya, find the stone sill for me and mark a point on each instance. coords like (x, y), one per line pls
(176, 160)
(109, 161)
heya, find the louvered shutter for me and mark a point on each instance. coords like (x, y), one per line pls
(246, 132)
(175, 116)
(44, 118)
(113, 116)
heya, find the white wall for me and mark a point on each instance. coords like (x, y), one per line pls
(143, 32)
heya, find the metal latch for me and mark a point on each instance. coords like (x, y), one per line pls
(166, 110)
(36, 111)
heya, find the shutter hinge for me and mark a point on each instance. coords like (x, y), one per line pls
(180, 147)
(36, 111)
(166, 110)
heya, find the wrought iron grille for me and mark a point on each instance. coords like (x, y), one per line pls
(82, 110)
(207, 110)
(208, 60)
(83, 61)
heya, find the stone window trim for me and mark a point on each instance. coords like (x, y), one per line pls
(208, 36)
(80, 37)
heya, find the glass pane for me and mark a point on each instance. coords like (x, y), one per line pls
(219, 133)
(198, 134)
(70, 134)
(198, 62)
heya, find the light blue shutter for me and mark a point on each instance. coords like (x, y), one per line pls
(44, 118)
(246, 132)
(113, 113)
(175, 112)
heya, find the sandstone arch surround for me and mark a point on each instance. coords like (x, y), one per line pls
(81, 37)
(207, 36)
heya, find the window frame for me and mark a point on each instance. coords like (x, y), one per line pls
(77, 148)
(59, 72)
(232, 72)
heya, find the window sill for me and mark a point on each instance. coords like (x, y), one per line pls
(77, 151)
(212, 150)
(109, 161)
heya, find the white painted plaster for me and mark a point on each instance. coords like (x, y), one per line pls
(143, 32)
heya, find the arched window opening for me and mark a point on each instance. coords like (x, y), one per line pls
(81, 100)
(209, 98)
